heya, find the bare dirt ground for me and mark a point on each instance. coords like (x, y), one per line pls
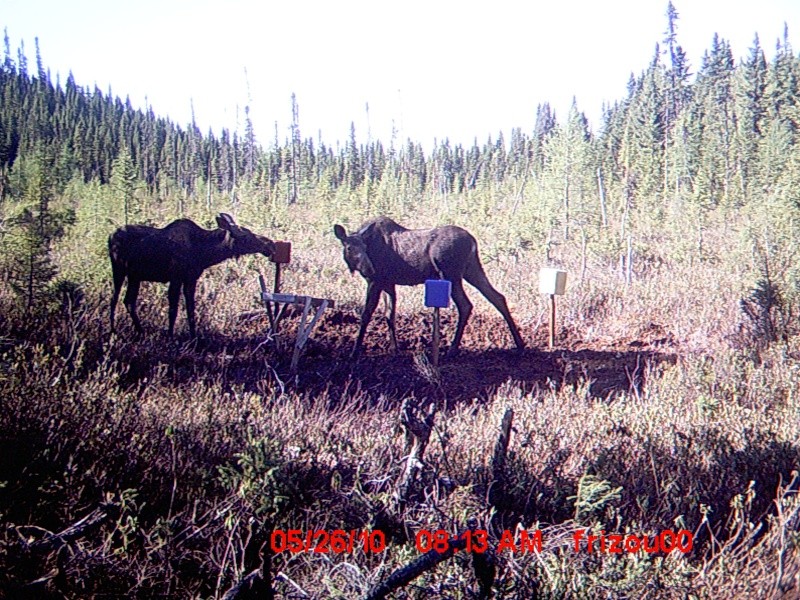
(487, 359)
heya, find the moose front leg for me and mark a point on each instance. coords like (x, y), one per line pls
(373, 297)
(391, 295)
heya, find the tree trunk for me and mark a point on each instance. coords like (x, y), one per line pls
(601, 188)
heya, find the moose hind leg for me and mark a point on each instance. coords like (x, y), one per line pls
(131, 295)
(119, 278)
(477, 278)
(189, 288)
(174, 296)
(464, 307)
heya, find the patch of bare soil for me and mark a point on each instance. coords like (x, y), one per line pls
(488, 358)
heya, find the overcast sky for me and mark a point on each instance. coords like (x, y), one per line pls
(432, 69)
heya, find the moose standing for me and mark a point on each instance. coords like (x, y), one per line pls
(387, 254)
(176, 254)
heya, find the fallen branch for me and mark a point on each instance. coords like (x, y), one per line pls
(411, 571)
(482, 563)
(91, 522)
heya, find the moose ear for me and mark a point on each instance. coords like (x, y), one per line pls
(225, 221)
(339, 232)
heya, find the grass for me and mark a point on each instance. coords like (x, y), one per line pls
(660, 409)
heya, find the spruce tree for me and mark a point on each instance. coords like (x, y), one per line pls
(676, 96)
(569, 172)
(123, 181)
(544, 127)
(751, 114)
(294, 159)
(30, 267)
(643, 139)
(713, 126)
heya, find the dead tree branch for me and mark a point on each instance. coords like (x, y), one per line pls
(51, 541)
(418, 434)
(499, 459)
(482, 563)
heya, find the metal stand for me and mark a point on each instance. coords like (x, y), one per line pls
(305, 326)
(435, 341)
(437, 295)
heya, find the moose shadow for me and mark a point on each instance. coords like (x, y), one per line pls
(255, 361)
(480, 374)
(476, 372)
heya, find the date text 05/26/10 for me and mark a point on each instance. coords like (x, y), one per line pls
(476, 541)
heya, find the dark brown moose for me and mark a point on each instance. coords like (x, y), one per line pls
(387, 254)
(176, 254)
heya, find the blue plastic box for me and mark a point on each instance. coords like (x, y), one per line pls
(437, 293)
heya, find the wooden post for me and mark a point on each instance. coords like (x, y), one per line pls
(281, 256)
(435, 341)
(270, 314)
(275, 309)
(437, 295)
(552, 282)
(277, 287)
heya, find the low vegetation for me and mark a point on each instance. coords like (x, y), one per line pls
(198, 448)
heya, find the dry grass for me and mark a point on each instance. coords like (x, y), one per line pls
(204, 446)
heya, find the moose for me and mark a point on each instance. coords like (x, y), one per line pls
(176, 254)
(387, 254)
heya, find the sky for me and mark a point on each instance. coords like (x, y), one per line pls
(426, 70)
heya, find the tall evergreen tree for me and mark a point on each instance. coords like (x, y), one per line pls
(123, 181)
(676, 97)
(544, 127)
(644, 137)
(751, 114)
(30, 266)
(714, 106)
(354, 163)
(294, 160)
(782, 84)
(569, 169)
